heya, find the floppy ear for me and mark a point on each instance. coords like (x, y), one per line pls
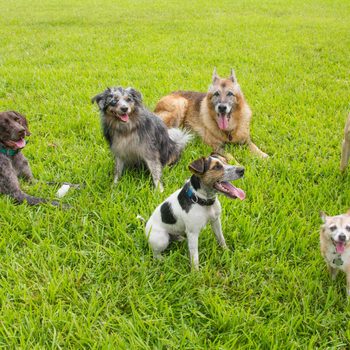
(136, 95)
(198, 166)
(215, 76)
(233, 76)
(23, 122)
(99, 98)
(323, 216)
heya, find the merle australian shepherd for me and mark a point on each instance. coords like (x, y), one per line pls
(135, 135)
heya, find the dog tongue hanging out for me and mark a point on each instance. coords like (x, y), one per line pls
(189, 209)
(335, 247)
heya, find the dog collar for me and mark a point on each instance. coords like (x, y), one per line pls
(8, 151)
(198, 200)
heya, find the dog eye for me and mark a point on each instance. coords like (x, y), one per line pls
(230, 93)
(217, 167)
(333, 228)
(347, 228)
(113, 103)
(128, 99)
(216, 93)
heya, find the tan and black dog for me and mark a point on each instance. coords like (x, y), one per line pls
(220, 116)
(188, 210)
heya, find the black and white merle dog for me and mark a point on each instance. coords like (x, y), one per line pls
(188, 210)
(135, 135)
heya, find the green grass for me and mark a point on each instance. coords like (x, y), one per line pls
(85, 278)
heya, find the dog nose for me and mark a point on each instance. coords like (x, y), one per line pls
(342, 237)
(124, 109)
(222, 108)
(240, 171)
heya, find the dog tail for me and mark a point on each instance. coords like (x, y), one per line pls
(180, 139)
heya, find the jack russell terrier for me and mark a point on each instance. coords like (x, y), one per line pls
(188, 210)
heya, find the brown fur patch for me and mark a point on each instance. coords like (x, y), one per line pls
(195, 111)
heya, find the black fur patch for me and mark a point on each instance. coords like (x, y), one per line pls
(183, 199)
(167, 214)
(195, 182)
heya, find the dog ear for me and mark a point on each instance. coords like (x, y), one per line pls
(99, 99)
(217, 155)
(22, 121)
(215, 76)
(136, 95)
(233, 76)
(323, 216)
(198, 166)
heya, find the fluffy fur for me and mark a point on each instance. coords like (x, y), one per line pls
(220, 116)
(335, 246)
(13, 164)
(135, 134)
(188, 210)
(345, 154)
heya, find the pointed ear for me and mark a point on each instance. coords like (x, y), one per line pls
(198, 166)
(323, 216)
(215, 76)
(233, 76)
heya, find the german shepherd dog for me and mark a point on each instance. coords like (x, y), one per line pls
(135, 135)
(220, 116)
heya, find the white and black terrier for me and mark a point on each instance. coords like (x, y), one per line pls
(186, 212)
(136, 135)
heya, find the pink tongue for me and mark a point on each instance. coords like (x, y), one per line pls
(238, 193)
(20, 144)
(340, 247)
(223, 122)
(124, 117)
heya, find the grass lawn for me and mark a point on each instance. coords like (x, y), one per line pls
(85, 277)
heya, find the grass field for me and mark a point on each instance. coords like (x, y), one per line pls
(85, 277)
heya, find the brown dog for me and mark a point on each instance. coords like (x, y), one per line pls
(13, 164)
(220, 116)
(345, 154)
(335, 244)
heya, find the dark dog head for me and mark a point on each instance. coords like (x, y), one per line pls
(215, 173)
(118, 102)
(13, 130)
(337, 230)
(223, 98)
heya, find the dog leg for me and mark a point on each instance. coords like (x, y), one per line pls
(333, 272)
(348, 282)
(118, 169)
(193, 248)
(216, 226)
(256, 150)
(159, 241)
(345, 154)
(156, 170)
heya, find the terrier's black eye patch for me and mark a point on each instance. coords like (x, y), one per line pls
(333, 228)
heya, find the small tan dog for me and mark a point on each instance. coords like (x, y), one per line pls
(219, 116)
(335, 247)
(345, 154)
